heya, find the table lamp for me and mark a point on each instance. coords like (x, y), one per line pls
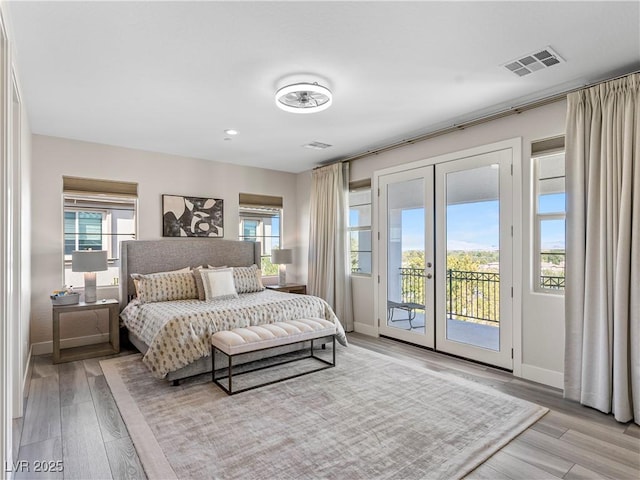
(89, 262)
(282, 257)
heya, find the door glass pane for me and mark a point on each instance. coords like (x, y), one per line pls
(473, 257)
(405, 255)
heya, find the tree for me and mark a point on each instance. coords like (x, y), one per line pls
(267, 267)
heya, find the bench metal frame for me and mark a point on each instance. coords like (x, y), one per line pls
(229, 390)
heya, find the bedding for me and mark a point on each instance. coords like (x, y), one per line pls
(178, 332)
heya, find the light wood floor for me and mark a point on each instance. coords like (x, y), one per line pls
(71, 417)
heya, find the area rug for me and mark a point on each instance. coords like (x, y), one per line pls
(370, 417)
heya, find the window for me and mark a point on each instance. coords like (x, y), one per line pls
(97, 220)
(549, 222)
(82, 230)
(260, 221)
(360, 229)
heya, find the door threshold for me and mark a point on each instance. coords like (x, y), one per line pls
(469, 360)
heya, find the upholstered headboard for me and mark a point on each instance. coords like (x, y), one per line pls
(151, 256)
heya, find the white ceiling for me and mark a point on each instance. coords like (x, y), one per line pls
(172, 76)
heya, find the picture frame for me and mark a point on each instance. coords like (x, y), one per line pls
(184, 216)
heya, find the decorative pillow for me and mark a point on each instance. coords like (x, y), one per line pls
(198, 279)
(165, 286)
(218, 284)
(248, 279)
(135, 280)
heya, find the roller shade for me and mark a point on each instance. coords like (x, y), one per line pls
(547, 146)
(253, 200)
(92, 186)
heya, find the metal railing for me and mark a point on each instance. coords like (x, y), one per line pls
(552, 283)
(555, 281)
(473, 295)
(412, 285)
(470, 295)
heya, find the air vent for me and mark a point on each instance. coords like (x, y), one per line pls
(538, 60)
(317, 145)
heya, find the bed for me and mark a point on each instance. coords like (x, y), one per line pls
(174, 335)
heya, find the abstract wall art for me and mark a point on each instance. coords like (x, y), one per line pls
(192, 216)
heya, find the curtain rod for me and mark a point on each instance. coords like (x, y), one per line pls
(477, 121)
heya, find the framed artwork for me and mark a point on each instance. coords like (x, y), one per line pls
(192, 216)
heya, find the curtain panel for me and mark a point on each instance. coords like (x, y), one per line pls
(329, 271)
(602, 296)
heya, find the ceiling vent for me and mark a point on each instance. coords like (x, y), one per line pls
(538, 60)
(317, 145)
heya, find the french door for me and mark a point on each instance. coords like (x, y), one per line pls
(406, 256)
(445, 257)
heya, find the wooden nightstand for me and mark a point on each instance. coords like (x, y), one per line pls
(87, 351)
(289, 288)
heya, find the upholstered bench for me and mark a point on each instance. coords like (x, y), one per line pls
(251, 339)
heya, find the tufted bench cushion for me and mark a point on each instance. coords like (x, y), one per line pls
(261, 337)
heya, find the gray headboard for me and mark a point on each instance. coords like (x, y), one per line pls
(151, 256)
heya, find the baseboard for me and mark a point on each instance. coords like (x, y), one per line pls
(365, 329)
(544, 376)
(43, 348)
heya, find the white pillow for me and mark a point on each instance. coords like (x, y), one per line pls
(218, 284)
(199, 285)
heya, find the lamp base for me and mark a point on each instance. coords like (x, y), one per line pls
(282, 274)
(90, 293)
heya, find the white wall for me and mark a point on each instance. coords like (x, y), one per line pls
(542, 354)
(156, 174)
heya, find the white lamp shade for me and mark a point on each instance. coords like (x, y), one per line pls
(89, 261)
(282, 256)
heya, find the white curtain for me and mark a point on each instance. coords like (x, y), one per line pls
(602, 296)
(329, 273)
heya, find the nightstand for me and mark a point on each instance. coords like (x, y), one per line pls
(87, 351)
(289, 288)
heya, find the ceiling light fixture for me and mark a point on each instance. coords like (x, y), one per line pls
(231, 131)
(304, 98)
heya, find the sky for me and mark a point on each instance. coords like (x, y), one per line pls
(474, 226)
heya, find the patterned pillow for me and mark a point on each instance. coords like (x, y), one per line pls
(218, 284)
(165, 286)
(198, 279)
(248, 279)
(135, 280)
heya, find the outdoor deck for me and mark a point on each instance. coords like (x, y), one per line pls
(485, 336)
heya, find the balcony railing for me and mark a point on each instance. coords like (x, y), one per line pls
(552, 283)
(473, 295)
(553, 263)
(470, 295)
